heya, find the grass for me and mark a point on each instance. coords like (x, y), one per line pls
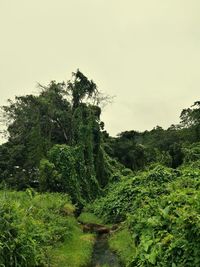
(76, 252)
(122, 243)
(41, 230)
(87, 217)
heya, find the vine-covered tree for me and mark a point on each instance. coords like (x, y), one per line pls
(64, 114)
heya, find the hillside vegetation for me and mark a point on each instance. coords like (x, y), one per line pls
(160, 210)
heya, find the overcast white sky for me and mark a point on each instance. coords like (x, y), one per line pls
(146, 52)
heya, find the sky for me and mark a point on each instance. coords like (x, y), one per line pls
(146, 53)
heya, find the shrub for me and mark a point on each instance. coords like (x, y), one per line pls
(161, 210)
(129, 194)
(30, 226)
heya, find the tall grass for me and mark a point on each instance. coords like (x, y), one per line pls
(33, 226)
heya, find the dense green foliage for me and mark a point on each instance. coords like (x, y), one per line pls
(167, 232)
(148, 183)
(136, 149)
(65, 172)
(65, 115)
(125, 196)
(32, 225)
(161, 210)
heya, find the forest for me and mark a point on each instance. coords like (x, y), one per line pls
(70, 193)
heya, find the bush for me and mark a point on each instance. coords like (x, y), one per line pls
(30, 226)
(129, 194)
(166, 230)
(49, 178)
(161, 210)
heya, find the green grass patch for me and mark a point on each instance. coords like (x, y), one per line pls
(75, 252)
(122, 243)
(87, 217)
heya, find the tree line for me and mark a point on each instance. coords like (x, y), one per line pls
(57, 141)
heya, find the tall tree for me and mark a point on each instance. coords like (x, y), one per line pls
(64, 115)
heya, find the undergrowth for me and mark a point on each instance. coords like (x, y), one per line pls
(33, 226)
(160, 208)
